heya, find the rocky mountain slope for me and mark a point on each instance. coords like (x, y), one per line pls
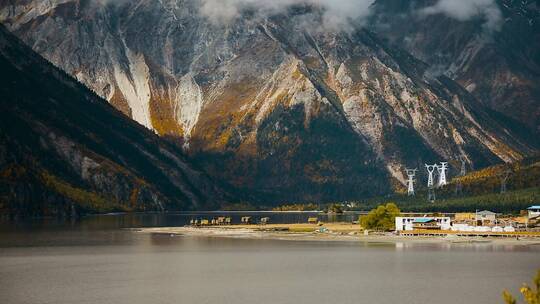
(494, 52)
(64, 150)
(277, 104)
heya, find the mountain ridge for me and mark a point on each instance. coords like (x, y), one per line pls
(282, 111)
(500, 66)
(66, 151)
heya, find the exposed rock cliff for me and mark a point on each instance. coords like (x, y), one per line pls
(64, 150)
(494, 52)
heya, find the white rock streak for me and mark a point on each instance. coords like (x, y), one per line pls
(135, 87)
(189, 104)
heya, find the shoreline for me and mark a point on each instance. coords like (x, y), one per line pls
(299, 233)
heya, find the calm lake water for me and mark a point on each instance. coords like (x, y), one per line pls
(96, 261)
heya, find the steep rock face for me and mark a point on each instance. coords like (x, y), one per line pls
(281, 109)
(496, 58)
(64, 150)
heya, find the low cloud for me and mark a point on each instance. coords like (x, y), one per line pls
(464, 10)
(337, 14)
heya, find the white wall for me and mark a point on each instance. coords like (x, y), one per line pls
(406, 223)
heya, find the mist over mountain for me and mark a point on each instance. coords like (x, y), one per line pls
(305, 100)
(495, 55)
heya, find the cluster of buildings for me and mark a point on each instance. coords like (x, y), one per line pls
(483, 221)
(222, 221)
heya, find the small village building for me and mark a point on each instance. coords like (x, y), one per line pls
(462, 227)
(497, 229)
(486, 217)
(246, 220)
(533, 217)
(509, 229)
(464, 217)
(413, 223)
(468, 228)
(533, 211)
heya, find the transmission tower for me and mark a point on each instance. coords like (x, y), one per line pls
(504, 179)
(442, 174)
(431, 190)
(411, 173)
(462, 172)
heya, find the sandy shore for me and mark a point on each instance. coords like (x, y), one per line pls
(333, 232)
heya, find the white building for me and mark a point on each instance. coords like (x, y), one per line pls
(414, 223)
(486, 217)
(533, 211)
(467, 228)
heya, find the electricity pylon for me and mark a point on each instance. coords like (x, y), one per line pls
(431, 191)
(411, 173)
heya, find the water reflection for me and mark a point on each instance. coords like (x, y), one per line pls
(135, 220)
(95, 261)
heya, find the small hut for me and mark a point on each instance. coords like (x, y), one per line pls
(221, 220)
(246, 220)
(205, 222)
(264, 220)
(228, 221)
(313, 220)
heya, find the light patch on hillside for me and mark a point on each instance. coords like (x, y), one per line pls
(290, 87)
(189, 104)
(135, 87)
(25, 12)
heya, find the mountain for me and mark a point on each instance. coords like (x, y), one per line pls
(64, 150)
(276, 103)
(494, 54)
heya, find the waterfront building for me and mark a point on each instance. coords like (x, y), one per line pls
(414, 223)
(485, 217)
(469, 228)
(482, 218)
(533, 211)
(264, 220)
(464, 217)
(519, 222)
(533, 217)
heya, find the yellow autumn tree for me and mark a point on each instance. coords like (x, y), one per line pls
(530, 295)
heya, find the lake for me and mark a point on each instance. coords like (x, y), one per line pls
(95, 260)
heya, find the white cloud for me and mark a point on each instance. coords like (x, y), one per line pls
(467, 9)
(336, 13)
